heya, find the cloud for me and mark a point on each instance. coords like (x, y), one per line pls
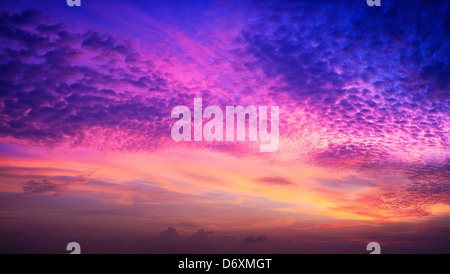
(64, 86)
(334, 76)
(360, 92)
(411, 192)
(199, 237)
(55, 184)
(170, 234)
(258, 239)
(41, 186)
(347, 184)
(274, 181)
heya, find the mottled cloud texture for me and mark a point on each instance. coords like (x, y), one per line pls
(85, 100)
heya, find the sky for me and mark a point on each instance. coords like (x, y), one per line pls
(86, 152)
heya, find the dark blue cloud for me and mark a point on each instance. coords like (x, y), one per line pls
(366, 74)
(49, 97)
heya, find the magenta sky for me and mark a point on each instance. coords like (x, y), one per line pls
(86, 153)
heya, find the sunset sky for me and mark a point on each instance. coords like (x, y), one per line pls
(86, 152)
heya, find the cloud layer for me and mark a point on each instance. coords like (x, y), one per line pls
(364, 98)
